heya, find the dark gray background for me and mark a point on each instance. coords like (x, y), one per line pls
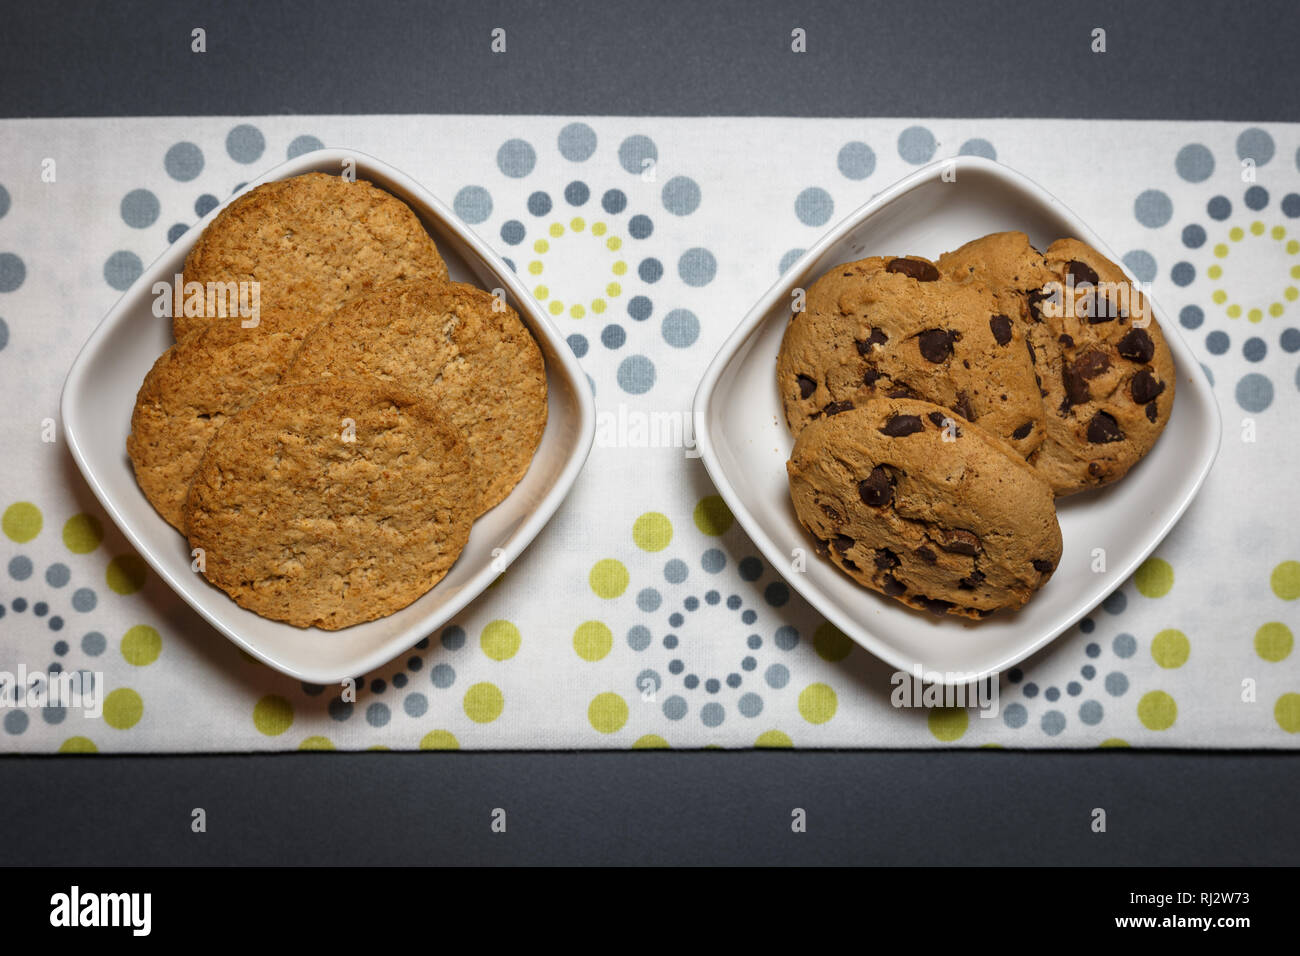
(1165, 60)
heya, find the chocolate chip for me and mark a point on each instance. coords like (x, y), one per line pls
(877, 337)
(901, 392)
(1066, 340)
(936, 344)
(831, 512)
(914, 268)
(842, 543)
(834, 408)
(877, 489)
(901, 425)
(870, 376)
(1091, 364)
(1042, 564)
(806, 386)
(1033, 356)
(938, 418)
(961, 541)
(1076, 386)
(1098, 309)
(1023, 431)
(1136, 346)
(1152, 411)
(893, 586)
(1103, 429)
(1094, 469)
(935, 606)
(926, 555)
(886, 559)
(1144, 387)
(971, 581)
(848, 563)
(1036, 298)
(821, 548)
(1079, 272)
(962, 407)
(1000, 325)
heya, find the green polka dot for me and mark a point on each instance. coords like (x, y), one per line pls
(1170, 648)
(126, 573)
(1154, 578)
(712, 516)
(651, 742)
(316, 743)
(376, 747)
(500, 640)
(22, 521)
(272, 715)
(608, 578)
(592, 640)
(773, 738)
(123, 708)
(652, 531)
(607, 712)
(1273, 641)
(1157, 710)
(831, 643)
(992, 747)
(141, 645)
(818, 703)
(1113, 742)
(82, 533)
(1287, 713)
(78, 745)
(484, 703)
(439, 740)
(948, 723)
(1285, 579)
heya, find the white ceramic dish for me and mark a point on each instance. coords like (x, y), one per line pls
(100, 393)
(744, 441)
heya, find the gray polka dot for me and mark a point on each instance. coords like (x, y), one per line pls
(183, 162)
(443, 676)
(1124, 645)
(378, 715)
(473, 204)
(636, 375)
(93, 644)
(786, 637)
(1090, 712)
(1254, 392)
(649, 679)
(4, 202)
(697, 267)
(777, 676)
(1116, 684)
(4, 333)
(1194, 163)
(681, 195)
(516, 158)
(1153, 208)
(637, 153)
(205, 204)
(713, 560)
(140, 208)
(415, 705)
(1053, 722)
(303, 144)
(54, 715)
(814, 206)
(13, 272)
(712, 714)
(1255, 144)
(675, 707)
(1115, 603)
(978, 147)
(638, 637)
(675, 571)
(15, 722)
(121, 269)
(681, 328)
(577, 142)
(789, 259)
(856, 160)
(649, 600)
(1142, 264)
(916, 145)
(1015, 716)
(83, 600)
(245, 143)
(20, 567)
(57, 575)
(750, 705)
(340, 709)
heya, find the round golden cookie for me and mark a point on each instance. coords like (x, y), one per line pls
(196, 385)
(326, 504)
(895, 327)
(939, 517)
(456, 345)
(311, 243)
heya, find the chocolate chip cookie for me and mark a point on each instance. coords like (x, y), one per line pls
(943, 520)
(311, 243)
(896, 327)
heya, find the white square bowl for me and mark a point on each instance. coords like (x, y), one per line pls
(100, 393)
(745, 443)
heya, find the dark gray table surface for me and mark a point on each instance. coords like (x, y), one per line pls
(1164, 60)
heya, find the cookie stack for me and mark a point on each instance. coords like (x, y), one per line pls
(327, 459)
(939, 409)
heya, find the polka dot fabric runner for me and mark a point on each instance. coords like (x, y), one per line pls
(643, 617)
